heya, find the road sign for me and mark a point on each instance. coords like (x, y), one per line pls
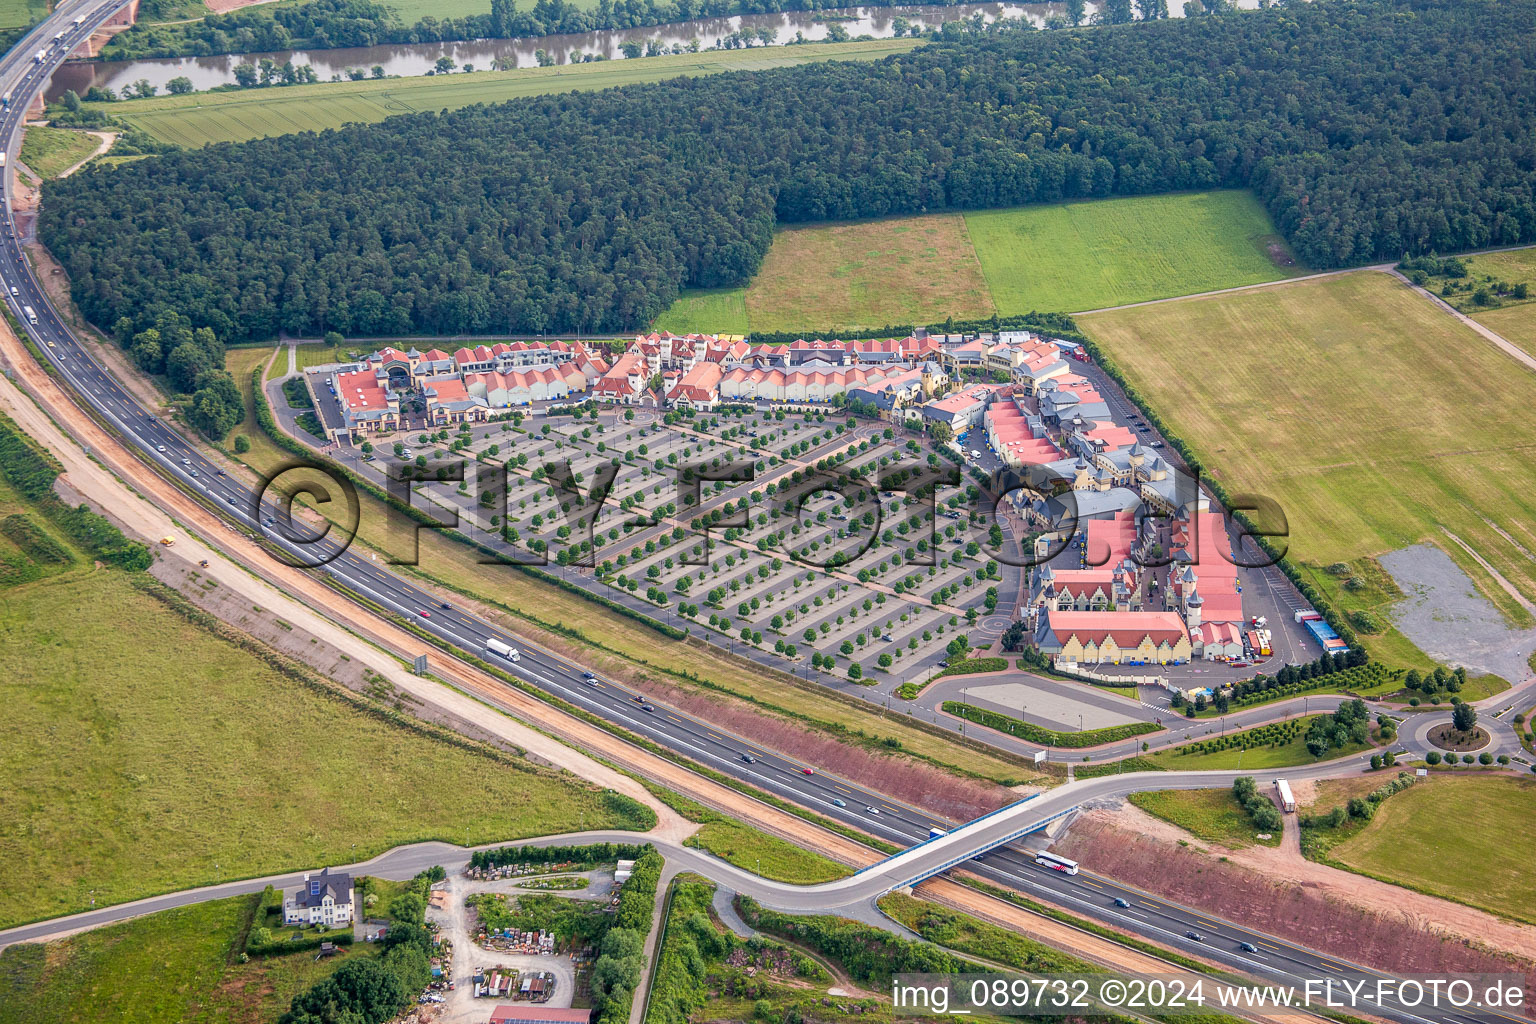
(1039, 756)
(419, 666)
(1422, 772)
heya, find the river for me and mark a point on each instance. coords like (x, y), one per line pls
(419, 58)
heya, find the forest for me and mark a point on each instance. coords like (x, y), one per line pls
(1369, 130)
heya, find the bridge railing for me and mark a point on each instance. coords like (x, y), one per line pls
(972, 854)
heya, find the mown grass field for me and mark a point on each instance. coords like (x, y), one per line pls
(1258, 754)
(769, 856)
(146, 753)
(1213, 815)
(1371, 417)
(22, 13)
(52, 151)
(170, 966)
(1515, 324)
(925, 269)
(204, 117)
(1456, 838)
(1088, 255)
(864, 274)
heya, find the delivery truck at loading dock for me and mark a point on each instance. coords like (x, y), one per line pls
(497, 647)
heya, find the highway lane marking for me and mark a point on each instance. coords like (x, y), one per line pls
(1096, 885)
(1209, 924)
(1144, 903)
(1267, 946)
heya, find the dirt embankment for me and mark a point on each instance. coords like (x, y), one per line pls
(1274, 890)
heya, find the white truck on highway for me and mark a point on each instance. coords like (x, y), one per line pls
(497, 647)
(37, 58)
(31, 314)
(1287, 801)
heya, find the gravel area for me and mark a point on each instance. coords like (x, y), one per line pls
(1449, 620)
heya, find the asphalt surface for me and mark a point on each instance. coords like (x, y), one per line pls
(167, 452)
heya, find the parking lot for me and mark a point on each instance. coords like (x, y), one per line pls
(814, 570)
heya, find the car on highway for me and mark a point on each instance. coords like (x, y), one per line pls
(1121, 901)
(1194, 935)
(638, 698)
(872, 810)
(192, 473)
(159, 447)
(589, 676)
(445, 605)
(648, 708)
(807, 771)
(838, 802)
(1247, 947)
(748, 759)
(425, 614)
(230, 499)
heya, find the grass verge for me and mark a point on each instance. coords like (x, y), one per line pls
(765, 855)
(1213, 815)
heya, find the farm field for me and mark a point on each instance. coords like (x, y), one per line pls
(866, 274)
(1406, 842)
(1340, 399)
(1515, 324)
(52, 151)
(173, 965)
(1213, 815)
(200, 118)
(16, 14)
(1108, 252)
(117, 755)
(1488, 270)
(924, 269)
(1279, 745)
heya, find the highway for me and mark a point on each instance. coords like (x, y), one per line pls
(166, 451)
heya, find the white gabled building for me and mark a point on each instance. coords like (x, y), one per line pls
(324, 898)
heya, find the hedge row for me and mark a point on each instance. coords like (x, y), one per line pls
(589, 854)
(621, 963)
(1057, 325)
(1046, 737)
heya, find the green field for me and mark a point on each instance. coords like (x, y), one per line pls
(1213, 815)
(710, 310)
(762, 854)
(1511, 266)
(170, 966)
(52, 151)
(1088, 255)
(1454, 837)
(1515, 324)
(22, 13)
(1371, 417)
(148, 754)
(859, 274)
(200, 118)
(1254, 749)
(925, 269)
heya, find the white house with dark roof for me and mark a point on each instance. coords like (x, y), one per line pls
(324, 898)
